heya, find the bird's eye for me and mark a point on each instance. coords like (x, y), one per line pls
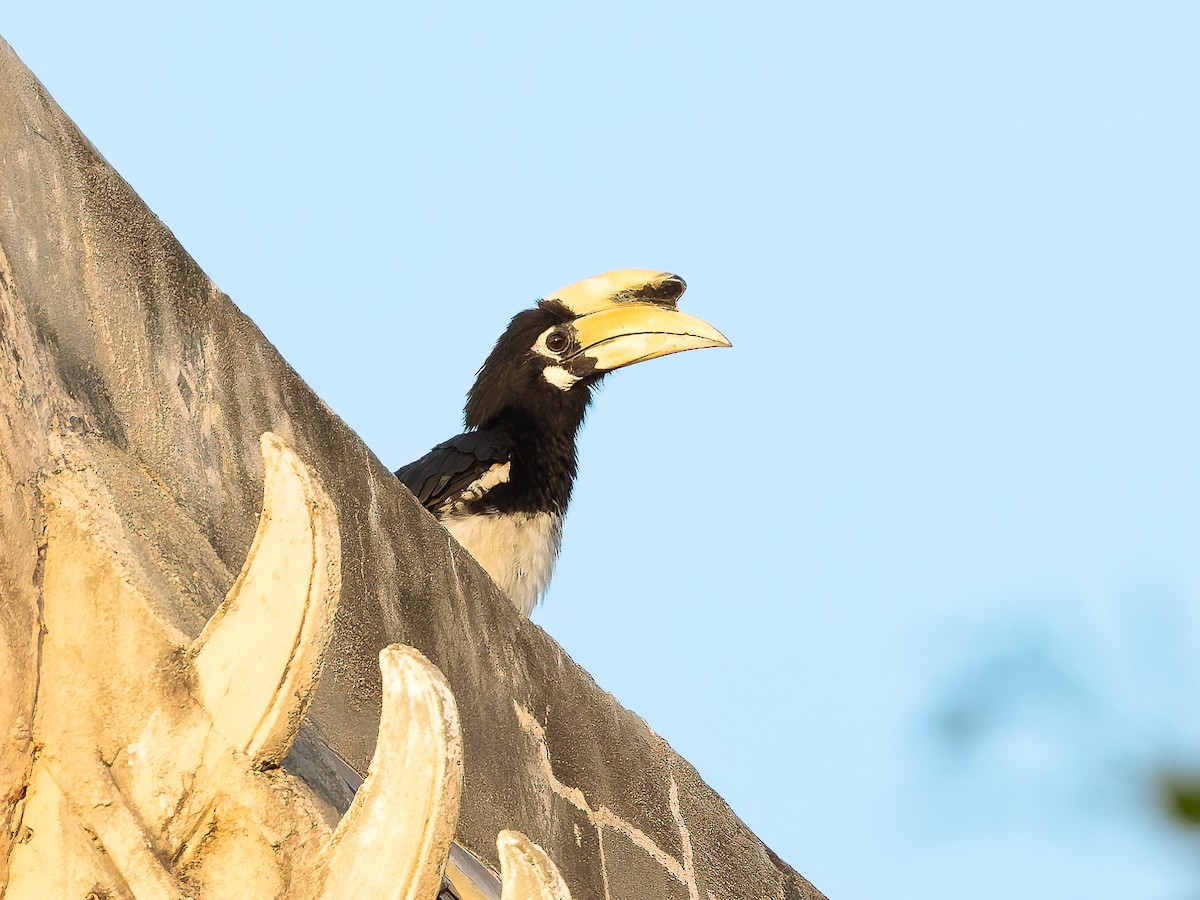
(557, 341)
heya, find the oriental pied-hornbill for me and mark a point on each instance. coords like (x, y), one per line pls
(502, 487)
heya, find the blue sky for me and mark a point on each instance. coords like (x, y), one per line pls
(954, 245)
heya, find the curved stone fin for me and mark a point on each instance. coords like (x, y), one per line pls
(393, 841)
(527, 872)
(258, 659)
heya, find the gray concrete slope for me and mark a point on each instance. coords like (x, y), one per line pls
(109, 329)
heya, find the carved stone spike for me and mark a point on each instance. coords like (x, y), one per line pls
(528, 873)
(258, 659)
(137, 790)
(393, 841)
(148, 781)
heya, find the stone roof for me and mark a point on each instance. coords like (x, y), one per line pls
(112, 338)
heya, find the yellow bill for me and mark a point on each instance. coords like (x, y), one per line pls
(632, 331)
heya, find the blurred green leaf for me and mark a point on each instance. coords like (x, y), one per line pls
(1179, 797)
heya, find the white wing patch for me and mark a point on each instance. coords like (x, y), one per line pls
(559, 377)
(496, 475)
(518, 550)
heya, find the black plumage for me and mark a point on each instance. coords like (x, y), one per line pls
(513, 415)
(443, 472)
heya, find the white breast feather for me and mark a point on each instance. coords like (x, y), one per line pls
(518, 550)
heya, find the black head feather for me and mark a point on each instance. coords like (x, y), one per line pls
(510, 383)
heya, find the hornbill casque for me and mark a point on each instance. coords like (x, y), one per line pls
(502, 487)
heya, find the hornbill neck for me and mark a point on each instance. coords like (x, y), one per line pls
(543, 461)
(536, 420)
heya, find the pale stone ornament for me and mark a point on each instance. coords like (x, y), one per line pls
(153, 776)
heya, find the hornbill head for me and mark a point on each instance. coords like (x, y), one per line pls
(550, 357)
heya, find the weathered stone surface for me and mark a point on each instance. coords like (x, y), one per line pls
(155, 775)
(109, 331)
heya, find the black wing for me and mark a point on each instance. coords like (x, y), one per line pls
(452, 465)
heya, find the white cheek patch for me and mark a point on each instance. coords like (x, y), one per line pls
(559, 377)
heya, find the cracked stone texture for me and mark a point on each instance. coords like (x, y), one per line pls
(109, 329)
